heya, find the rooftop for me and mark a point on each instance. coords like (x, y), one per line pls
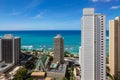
(38, 74)
(58, 36)
(44, 58)
(4, 67)
(88, 11)
(116, 18)
(47, 78)
(14, 71)
(60, 69)
(9, 36)
(54, 65)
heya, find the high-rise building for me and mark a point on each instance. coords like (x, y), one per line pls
(0, 51)
(10, 49)
(93, 46)
(114, 45)
(80, 55)
(58, 49)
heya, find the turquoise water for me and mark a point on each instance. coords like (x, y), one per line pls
(44, 39)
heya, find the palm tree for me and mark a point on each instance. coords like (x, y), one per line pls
(108, 73)
(64, 78)
(110, 76)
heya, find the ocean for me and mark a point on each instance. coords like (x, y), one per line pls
(38, 39)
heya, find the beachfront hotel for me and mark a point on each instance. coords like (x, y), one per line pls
(93, 46)
(114, 45)
(9, 51)
(58, 49)
(10, 48)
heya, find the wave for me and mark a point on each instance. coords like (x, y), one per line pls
(27, 47)
(66, 48)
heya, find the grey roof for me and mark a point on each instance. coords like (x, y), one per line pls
(8, 36)
(116, 18)
(58, 36)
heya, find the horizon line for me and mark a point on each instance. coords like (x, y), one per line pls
(43, 30)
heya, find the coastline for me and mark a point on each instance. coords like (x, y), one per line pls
(44, 39)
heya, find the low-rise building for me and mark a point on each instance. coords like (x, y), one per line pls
(5, 67)
(57, 73)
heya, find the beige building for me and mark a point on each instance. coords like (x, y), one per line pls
(114, 46)
(58, 49)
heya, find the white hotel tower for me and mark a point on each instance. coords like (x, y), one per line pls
(93, 46)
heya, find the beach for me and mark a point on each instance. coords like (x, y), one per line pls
(43, 39)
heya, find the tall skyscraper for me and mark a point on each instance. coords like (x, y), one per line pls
(80, 55)
(114, 46)
(0, 51)
(10, 49)
(58, 49)
(93, 47)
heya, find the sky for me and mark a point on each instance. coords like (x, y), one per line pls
(52, 14)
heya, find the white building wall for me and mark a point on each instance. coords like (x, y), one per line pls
(0, 51)
(100, 47)
(87, 58)
(80, 55)
(93, 56)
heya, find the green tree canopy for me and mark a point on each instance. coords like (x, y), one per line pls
(20, 73)
(64, 78)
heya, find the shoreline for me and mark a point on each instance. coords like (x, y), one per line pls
(47, 49)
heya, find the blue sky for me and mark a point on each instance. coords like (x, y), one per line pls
(51, 14)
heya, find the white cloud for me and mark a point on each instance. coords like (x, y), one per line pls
(94, 0)
(40, 15)
(106, 0)
(116, 0)
(15, 13)
(115, 7)
(101, 0)
(33, 4)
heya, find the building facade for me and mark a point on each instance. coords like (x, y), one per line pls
(10, 49)
(93, 46)
(114, 45)
(58, 49)
(0, 51)
(80, 55)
